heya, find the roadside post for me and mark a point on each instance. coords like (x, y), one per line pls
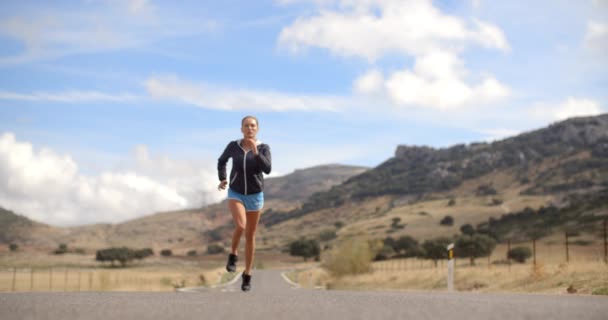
(450, 249)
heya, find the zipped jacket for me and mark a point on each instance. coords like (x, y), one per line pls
(246, 175)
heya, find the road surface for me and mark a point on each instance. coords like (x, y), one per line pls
(273, 298)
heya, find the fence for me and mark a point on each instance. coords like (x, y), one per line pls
(543, 251)
(56, 279)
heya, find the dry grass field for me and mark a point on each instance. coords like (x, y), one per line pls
(586, 273)
(35, 271)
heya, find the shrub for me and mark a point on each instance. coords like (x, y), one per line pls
(215, 249)
(143, 253)
(475, 246)
(436, 249)
(407, 245)
(520, 254)
(451, 203)
(13, 247)
(327, 235)
(122, 255)
(447, 221)
(339, 224)
(63, 248)
(166, 252)
(305, 248)
(467, 229)
(192, 253)
(352, 256)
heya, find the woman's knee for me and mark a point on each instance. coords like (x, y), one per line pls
(239, 227)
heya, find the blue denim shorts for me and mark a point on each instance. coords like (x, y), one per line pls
(252, 202)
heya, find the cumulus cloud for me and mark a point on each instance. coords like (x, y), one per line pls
(438, 80)
(571, 107)
(49, 187)
(214, 97)
(372, 29)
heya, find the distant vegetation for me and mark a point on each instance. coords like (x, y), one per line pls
(123, 255)
(215, 249)
(520, 254)
(305, 248)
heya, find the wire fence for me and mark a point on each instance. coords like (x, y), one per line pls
(66, 279)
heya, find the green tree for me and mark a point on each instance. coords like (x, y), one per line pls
(467, 229)
(13, 247)
(166, 252)
(305, 248)
(519, 254)
(215, 249)
(447, 221)
(436, 249)
(475, 246)
(63, 248)
(407, 245)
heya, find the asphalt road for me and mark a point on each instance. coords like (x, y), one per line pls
(273, 298)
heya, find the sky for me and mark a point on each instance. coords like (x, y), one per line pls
(115, 109)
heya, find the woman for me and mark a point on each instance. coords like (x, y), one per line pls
(250, 157)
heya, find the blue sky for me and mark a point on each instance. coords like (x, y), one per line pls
(121, 108)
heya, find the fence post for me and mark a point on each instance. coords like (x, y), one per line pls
(509, 250)
(14, 278)
(567, 252)
(450, 249)
(534, 250)
(605, 242)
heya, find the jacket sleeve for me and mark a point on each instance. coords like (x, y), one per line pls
(264, 159)
(221, 163)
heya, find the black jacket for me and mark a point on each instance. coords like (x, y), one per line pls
(246, 175)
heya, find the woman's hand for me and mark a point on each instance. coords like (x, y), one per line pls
(222, 185)
(250, 144)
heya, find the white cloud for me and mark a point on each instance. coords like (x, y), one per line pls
(571, 107)
(436, 81)
(214, 97)
(48, 187)
(99, 27)
(68, 96)
(596, 38)
(372, 29)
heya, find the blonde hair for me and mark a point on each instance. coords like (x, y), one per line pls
(250, 117)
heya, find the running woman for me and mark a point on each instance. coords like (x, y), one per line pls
(250, 159)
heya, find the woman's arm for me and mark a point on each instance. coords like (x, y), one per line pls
(221, 163)
(264, 159)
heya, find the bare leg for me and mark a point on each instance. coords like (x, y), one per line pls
(238, 216)
(253, 217)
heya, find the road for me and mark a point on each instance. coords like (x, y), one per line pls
(273, 298)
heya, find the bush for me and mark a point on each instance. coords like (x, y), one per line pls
(519, 254)
(451, 203)
(166, 252)
(467, 229)
(436, 249)
(475, 246)
(339, 224)
(305, 248)
(352, 256)
(215, 249)
(143, 253)
(192, 253)
(447, 221)
(122, 255)
(13, 247)
(327, 235)
(407, 245)
(63, 248)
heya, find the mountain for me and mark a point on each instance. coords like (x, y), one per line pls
(569, 156)
(180, 230)
(301, 184)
